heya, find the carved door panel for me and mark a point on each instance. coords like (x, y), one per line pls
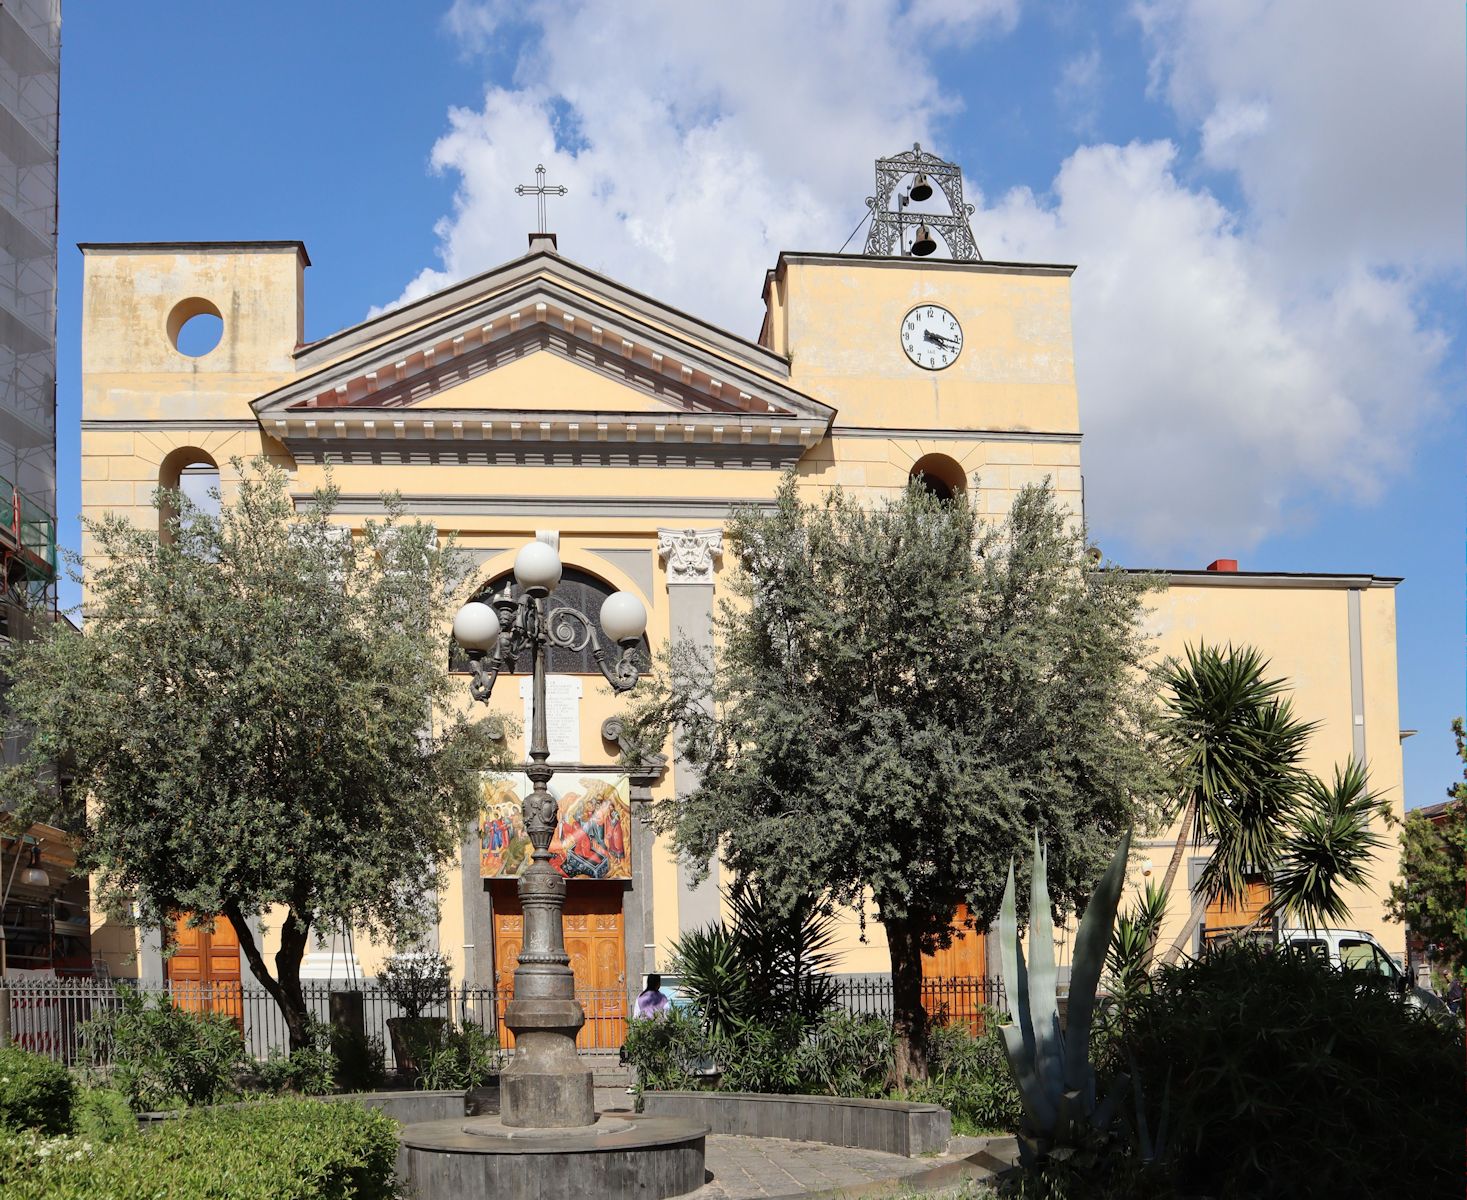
(204, 968)
(593, 942)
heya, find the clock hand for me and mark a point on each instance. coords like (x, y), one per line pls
(928, 335)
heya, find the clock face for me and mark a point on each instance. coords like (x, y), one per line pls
(932, 337)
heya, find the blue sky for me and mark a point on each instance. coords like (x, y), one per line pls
(1264, 201)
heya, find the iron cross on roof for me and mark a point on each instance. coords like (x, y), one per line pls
(540, 189)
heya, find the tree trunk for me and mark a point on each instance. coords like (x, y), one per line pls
(1189, 811)
(908, 1017)
(1199, 906)
(285, 986)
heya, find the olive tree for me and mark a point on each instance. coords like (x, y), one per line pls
(256, 718)
(899, 695)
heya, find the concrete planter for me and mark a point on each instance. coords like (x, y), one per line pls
(891, 1126)
(409, 1033)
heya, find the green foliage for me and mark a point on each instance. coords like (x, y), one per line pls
(279, 1150)
(1289, 1079)
(712, 972)
(1331, 844)
(1051, 1063)
(771, 965)
(1132, 942)
(164, 1057)
(667, 1053)
(35, 1093)
(243, 714)
(969, 1076)
(308, 1071)
(360, 1060)
(466, 1056)
(414, 979)
(844, 1054)
(1236, 745)
(839, 1054)
(901, 691)
(1428, 897)
(102, 1116)
(786, 952)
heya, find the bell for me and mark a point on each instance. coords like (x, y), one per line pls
(924, 245)
(921, 189)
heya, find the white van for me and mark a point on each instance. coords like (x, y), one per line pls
(1356, 950)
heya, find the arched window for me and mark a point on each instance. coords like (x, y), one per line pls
(194, 473)
(577, 589)
(940, 475)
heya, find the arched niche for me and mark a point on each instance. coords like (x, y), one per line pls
(940, 475)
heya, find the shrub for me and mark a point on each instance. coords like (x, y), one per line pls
(35, 1093)
(309, 1071)
(415, 979)
(278, 1150)
(166, 1057)
(102, 1116)
(1287, 1078)
(667, 1052)
(843, 1054)
(970, 1077)
(464, 1058)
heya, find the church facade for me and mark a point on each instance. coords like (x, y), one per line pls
(542, 400)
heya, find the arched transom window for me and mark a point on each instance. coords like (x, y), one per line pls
(577, 589)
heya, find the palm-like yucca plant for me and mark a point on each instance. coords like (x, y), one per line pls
(787, 955)
(1133, 940)
(1328, 846)
(709, 967)
(1236, 744)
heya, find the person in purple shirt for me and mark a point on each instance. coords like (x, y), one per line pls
(653, 1002)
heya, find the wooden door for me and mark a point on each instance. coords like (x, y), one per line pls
(203, 970)
(954, 983)
(1223, 920)
(593, 940)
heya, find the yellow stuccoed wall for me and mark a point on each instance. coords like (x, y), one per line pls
(1005, 413)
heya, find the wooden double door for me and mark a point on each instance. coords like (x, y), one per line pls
(203, 970)
(954, 980)
(595, 942)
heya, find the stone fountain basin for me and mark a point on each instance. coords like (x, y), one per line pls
(620, 1154)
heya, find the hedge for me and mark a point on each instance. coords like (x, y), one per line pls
(35, 1093)
(279, 1150)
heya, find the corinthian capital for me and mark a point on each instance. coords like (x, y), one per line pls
(690, 554)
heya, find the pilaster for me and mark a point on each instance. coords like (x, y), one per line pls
(690, 557)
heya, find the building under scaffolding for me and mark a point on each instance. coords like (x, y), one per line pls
(42, 906)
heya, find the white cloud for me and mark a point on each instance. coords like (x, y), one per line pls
(1078, 91)
(1365, 108)
(695, 146)
(1211, 395)
(1234, 363)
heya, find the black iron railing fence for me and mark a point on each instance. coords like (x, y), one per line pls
(47, 1016)
(958, 1000)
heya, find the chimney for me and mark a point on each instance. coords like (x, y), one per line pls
(1223, 564)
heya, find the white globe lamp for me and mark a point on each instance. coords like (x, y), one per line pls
(537, 567)
(623, 616)
(476, 627)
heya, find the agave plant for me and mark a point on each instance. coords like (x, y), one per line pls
(1051, 1063)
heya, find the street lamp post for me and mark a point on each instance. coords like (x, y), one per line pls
(546, 1085)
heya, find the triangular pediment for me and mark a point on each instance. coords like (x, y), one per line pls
(545, 348)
